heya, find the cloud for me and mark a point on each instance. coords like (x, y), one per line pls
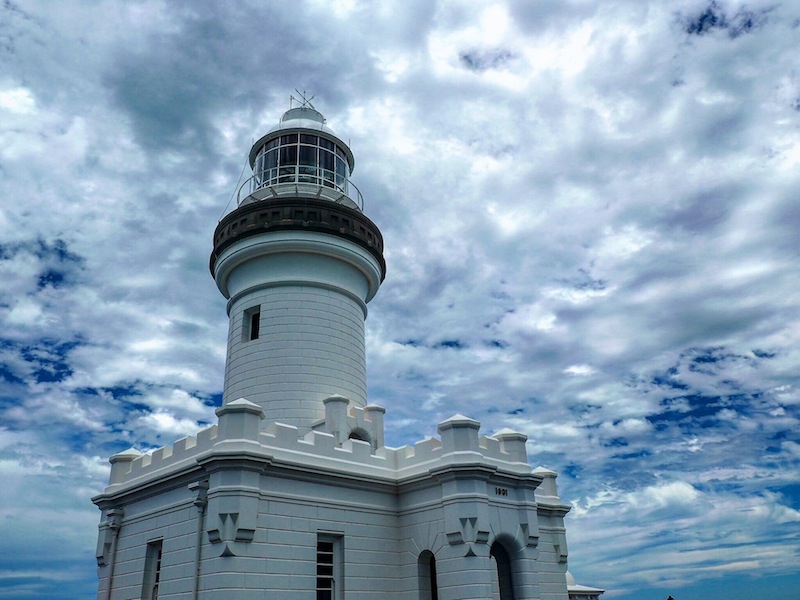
(589, 212)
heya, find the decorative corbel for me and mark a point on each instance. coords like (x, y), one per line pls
(107, 534)
(468, 531)
(229, 529)
(200, 490)
(530, 537)
(560, 547)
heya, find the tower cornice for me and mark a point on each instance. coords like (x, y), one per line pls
(300, 214)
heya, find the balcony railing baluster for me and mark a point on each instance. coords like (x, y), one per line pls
(332, 187)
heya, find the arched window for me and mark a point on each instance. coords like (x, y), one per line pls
(505, 580)
(426, 566)
(359, 434)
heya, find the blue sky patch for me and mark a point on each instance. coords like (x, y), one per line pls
(483, 60)
(568, 226)
(453, 344)
(49, 359)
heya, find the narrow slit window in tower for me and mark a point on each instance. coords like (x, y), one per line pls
(251, 324)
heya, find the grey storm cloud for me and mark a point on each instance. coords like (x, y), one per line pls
(590, 217)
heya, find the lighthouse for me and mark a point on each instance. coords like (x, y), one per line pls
(298, 260)
(293, 493)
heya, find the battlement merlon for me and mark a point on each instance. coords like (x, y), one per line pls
(547, 497)
(238, 432)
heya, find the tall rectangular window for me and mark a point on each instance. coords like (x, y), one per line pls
(255, 322)
(152, 571)
(251, 324)
(330, 567)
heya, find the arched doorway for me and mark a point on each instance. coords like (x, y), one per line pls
(504, 583)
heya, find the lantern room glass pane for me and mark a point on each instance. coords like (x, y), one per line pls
(327, 165)
(300, 157)
(288, 155)
(308, 155)
(258, 170)
(308, 175)
(341, 172)
(326, 160)
(271, 160)
(286, 174)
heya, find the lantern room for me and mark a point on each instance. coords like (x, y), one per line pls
(297, 155)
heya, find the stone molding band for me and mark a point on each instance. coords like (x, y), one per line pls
(297, 282)
(300, 214)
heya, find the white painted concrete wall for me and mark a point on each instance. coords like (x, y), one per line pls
(312, 290)
(453, 497)
(311, 346)
(381, 547)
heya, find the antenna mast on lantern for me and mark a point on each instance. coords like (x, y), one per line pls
(303, 101)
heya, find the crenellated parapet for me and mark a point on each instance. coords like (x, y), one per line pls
(348, 442)
(132, 466)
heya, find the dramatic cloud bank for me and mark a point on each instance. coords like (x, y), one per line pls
(590, 212)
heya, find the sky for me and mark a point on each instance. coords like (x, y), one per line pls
(590, 214)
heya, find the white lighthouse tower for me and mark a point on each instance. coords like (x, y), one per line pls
(298, 261)
(293, 494)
